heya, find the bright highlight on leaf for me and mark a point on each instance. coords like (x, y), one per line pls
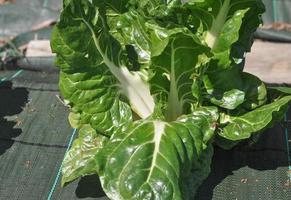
(153, 85)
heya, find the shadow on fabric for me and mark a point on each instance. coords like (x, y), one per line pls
(89, 186)
(12, 102)
(268, 153)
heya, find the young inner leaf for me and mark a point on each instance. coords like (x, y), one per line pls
(217, 25)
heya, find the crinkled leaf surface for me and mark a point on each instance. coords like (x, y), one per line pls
(241, 127)
(146, 36)
(173, 70)
(79, 161)
(150, 82)
(230, 88)
(94, 71)
(255, 91)
(95, 99)
(155, 159)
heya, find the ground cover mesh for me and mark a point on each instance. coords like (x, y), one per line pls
(34, 134)
(250, 172)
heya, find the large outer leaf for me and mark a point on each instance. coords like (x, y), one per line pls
(241, 127)
(97, 50)
(173, 70)
(130, 29)
(155, 159)
(79, 161)
(95, 100)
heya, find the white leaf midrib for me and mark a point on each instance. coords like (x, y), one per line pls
(132, 85)
(174, 105)
(217, 25)
(159, 129)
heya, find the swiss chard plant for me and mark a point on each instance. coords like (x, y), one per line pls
(153, 85)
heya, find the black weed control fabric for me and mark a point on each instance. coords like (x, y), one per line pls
(34, 134)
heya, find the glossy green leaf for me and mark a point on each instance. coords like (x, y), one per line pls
(230, 99)
(206, 118)
(147, 37)
(79, 161)
(155, 159)
(151, 84)
(173, 70)
(100, 51)
(255, 90)
(224, 87)
(226, 25)
(231, 88)
(242, 127)
(93, 101)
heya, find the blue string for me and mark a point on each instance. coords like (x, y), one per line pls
(12, 77)
(60, 168)
(69, 144)
(288, 147)
(16, 74)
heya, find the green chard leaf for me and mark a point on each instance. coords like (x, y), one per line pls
(79, 161)
(277, 91)
(255, 90)
(173, 70)
(242, 127)
(152, 85)
(156, 159)
(231, 88)
(94, 74)
(227, 26)
(283, 90)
